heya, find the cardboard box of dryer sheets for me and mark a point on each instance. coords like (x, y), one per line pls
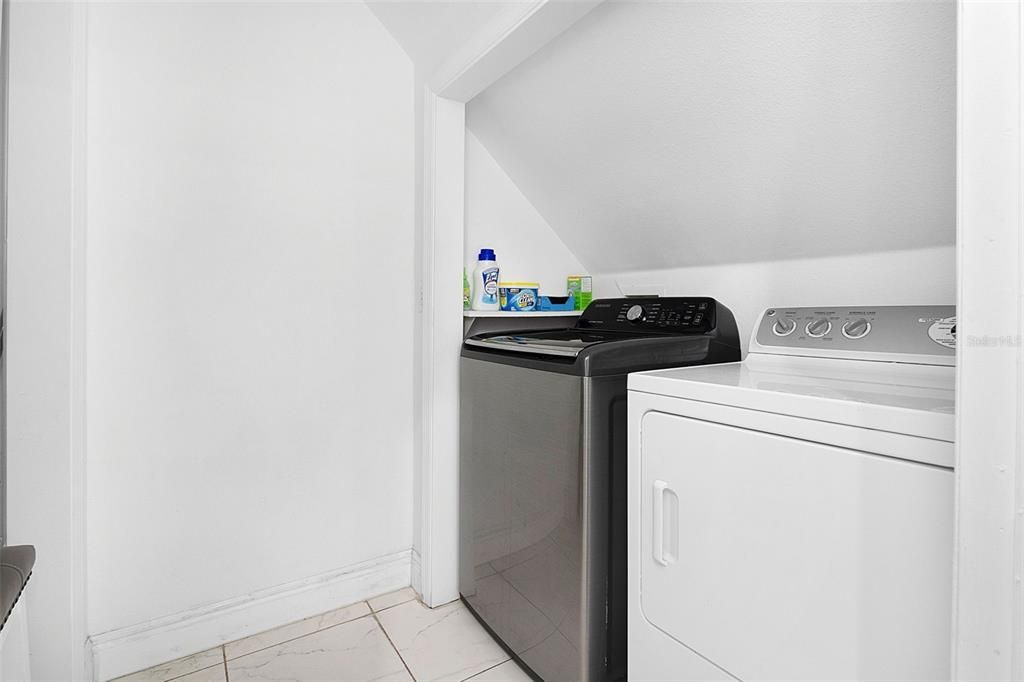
(582, 289)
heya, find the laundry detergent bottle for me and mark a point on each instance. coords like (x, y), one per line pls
(485, 281)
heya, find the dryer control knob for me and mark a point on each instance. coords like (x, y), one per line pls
(635, 314)
(856, 329)
(783, 326)
(818, 328)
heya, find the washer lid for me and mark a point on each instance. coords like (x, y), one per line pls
(916, 400)
(563, 342)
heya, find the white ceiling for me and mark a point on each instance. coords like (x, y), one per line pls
(430, 32)
(668, 134)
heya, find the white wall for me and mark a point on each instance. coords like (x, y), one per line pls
(44, 481)
(913, 277)
(498, 216)
(658, 135)
(250, 301)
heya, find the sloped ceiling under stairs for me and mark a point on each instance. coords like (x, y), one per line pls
(670, 134)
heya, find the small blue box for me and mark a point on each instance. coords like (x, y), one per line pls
(556, 302)
(518, 297)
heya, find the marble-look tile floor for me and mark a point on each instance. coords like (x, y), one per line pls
(390, 637)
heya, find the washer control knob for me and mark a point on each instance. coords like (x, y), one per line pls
(635, 314)
(817, 328)
(856, 329)
(783, 326)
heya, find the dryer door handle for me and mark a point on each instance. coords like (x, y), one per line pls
(658, 512)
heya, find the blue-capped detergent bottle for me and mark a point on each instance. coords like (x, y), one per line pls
(485, 281)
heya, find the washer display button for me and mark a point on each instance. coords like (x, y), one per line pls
(635, 314)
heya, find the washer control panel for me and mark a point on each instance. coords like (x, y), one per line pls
(670, 315)
(923, 331)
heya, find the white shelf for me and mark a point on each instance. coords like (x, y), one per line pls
(531, 313)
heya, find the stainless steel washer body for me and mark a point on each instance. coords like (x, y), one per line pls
(542, 477)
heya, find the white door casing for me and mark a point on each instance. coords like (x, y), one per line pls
(499, 47)
(988, 629)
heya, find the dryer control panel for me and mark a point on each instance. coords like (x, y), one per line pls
(914, 334)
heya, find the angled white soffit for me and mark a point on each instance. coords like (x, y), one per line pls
(669, 134)
(431, 32)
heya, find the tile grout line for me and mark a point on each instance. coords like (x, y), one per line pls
(176, 677)
(475, 675)
(388, 636)
(416, 599)
(391, 606)
(292, 639)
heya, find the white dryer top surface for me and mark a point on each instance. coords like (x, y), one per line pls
(910, 399)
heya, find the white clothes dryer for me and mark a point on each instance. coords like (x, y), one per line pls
(791, 515)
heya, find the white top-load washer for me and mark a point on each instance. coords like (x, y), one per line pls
(791, 515)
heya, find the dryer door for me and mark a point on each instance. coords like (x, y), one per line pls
(778, 558)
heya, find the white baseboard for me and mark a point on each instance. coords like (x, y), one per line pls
(88, 662)
(125, 650)
(417, 573)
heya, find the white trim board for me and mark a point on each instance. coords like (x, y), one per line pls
(137, 647)
(499, 47)
(988, 627)
(504, 43)
(53, 516)
(443, 219)
(81, 663)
